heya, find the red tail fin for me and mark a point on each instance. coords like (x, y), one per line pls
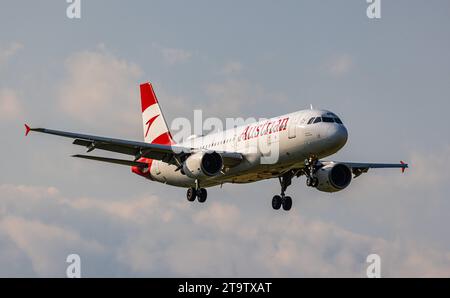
(155, 127)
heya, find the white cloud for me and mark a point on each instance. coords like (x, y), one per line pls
(151, 236)
(101, 90)
(421, 164)
(46, 245)
(173, 56)
(223, 217)
(135, 211)
(172, 104)
(340, 66)
(10, 105)
(232, 68)
(10, 50)
(31, 192)
(234, 97)
(230, 96)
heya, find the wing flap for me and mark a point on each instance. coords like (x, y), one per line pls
(166, 153)
(91, 145)
(113, 160)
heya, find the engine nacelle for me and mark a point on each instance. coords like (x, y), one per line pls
(203, 164)
(333, 177)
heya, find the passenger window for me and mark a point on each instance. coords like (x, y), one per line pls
(327, 119)
(318, 119)
(311, 120)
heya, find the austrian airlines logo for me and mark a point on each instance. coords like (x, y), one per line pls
(266, 128)
(149, 123)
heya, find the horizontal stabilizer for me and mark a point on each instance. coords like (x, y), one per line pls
(113, 160)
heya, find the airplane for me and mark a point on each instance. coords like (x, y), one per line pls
(301, 140)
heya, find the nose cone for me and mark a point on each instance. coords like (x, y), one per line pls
(338, 135)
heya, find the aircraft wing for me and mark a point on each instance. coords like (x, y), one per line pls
(166, 153)
(359, 168)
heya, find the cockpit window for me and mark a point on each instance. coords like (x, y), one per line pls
(327, 119)
(318, 119)
(311, 120)
(338, 120)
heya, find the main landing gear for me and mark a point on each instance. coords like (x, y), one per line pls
(196, 192)
(311, 166)
(282, 200)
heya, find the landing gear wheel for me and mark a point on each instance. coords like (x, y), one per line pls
(202, 194)
(191, 194)
(276, 202)
(287, 203)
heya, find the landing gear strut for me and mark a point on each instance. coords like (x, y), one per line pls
(196, 192)
(311, 166)
(310, 169)
(282, 200)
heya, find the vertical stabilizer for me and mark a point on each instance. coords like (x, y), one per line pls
(156, 130)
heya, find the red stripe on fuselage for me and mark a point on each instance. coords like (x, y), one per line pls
(139, 171)
(163, 139)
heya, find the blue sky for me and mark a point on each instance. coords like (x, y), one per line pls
(388, 79)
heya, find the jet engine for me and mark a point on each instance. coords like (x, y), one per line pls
(333, 177)
(203, 164)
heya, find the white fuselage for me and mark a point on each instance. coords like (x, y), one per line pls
(270, 147)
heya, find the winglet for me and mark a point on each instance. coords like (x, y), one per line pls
(404, 166)
(27, 129)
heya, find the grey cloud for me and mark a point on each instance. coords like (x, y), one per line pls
(173, 56)
(232, 68)
(154, 236)
(238, 97)
(101, 89)
(340, 65)
(8, 51)
(382, 86)
(10, 105)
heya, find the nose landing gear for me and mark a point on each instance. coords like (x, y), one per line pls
(311, 166)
